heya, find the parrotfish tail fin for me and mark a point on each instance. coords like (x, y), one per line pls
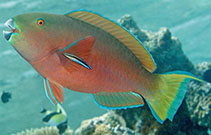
(165, 100)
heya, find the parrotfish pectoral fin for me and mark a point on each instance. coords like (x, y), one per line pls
(118, 32)
(168, 96)
(118, 100)
(77, 53)
(80, 47)
(54, 92)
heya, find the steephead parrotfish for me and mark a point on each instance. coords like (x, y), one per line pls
(86, 52)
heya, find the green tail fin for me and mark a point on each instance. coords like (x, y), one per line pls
(170, 92)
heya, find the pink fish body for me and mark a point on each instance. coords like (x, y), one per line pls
(85, 52)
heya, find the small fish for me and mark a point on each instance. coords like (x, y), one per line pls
(5, 97)
(86, 52)
(57, 118)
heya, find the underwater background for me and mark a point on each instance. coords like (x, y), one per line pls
(188, 20)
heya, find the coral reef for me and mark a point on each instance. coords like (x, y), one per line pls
(199, 97)
(108, 124)
(128, 22)
(165, 49)
(44, 131)
(204, 71)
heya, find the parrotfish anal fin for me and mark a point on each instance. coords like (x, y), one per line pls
(80, 47)
(77, 53)
(54, 92)
(118, 100)
(118, 32)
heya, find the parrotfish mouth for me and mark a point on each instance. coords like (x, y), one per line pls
(10, 24)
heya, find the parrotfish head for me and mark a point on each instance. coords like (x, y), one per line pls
(34, 35)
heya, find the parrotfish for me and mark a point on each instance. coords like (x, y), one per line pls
(56, 118)
(86, 52)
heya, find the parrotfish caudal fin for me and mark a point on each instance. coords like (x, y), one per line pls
(167, 98)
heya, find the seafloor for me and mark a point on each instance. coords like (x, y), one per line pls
(192, 118)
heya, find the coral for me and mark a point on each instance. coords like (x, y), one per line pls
(198, 97)
(128, 22)
(204, 71)
(165, 49)
(44, 131)
(102, 130)
(108, 124)
(167, 52)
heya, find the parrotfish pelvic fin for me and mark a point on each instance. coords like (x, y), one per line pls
(54, 92)
(120, 33)
(78, 52)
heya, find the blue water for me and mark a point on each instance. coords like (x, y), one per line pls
(188, 20)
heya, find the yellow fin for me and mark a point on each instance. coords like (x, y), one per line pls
(118, 100)
(119, 32)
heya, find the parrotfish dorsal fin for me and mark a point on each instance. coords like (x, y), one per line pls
(118, 32)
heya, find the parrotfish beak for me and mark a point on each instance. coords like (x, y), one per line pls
(10, 24)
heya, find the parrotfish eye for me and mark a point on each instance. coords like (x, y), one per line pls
(40, 22)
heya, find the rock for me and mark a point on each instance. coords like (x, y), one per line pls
(165, 49)
(108, 124)
(167, 52)
(204, 71)
(128, 22)
(44, 131)
(198, 97)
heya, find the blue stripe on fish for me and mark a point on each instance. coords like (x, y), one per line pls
(77, 60)
(70, 45)
(47, 94)
(51, 92)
